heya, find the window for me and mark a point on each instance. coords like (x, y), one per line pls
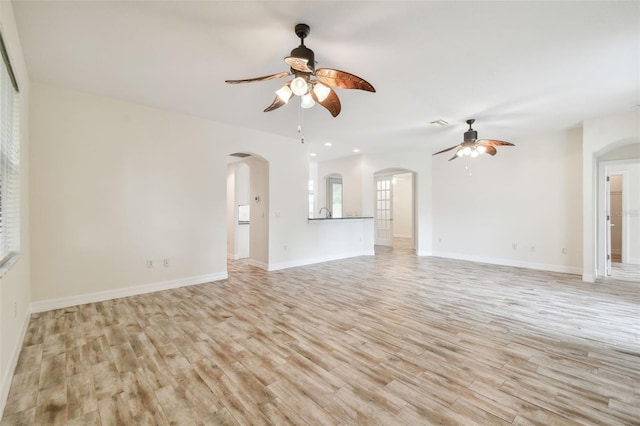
(9, 160)
(334, 195)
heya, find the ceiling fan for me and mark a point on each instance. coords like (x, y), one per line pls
(312, 85)
(472, 146)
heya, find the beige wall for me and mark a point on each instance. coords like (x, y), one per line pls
(402, 206)
(115, 184)
(529, 195)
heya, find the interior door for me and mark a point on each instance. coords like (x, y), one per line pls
(384, 211)
(607, 203)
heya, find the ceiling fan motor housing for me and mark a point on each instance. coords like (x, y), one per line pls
(470, 135)
(303, 52)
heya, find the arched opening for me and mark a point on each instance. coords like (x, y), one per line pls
(395, 208)
(618, 211)
(248, 209)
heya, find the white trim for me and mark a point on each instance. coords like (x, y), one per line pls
(65, 302)
(5, 385)
(425, 253)
(633, 261)
(515, 263)
(311, 261)
(589, 278)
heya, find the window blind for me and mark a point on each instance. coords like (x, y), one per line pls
(9, 160)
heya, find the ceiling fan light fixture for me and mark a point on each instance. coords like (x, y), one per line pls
(284, 93)
(307, 79)
(321, 91)
(472, 146)
(299, 86)
(307, 101)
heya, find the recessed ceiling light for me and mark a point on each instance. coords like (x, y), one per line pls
(328, 144)
(313, 154)
(356, 150)
(440, 122)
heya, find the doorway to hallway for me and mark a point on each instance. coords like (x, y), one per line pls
(394, 209)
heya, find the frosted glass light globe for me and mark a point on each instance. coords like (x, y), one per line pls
(299, 86)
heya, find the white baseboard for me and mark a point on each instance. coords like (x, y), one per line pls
(424, 253)
(65, 302)
(313, 260)
(633, 260)
(13, 363)
(512, 262)
(402, 236)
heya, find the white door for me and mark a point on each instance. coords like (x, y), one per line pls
(607, 203)
(384, 211)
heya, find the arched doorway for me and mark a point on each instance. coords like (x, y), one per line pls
(618, 212)
(248, 208)
(394, 208)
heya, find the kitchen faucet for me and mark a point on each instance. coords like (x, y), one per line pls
(328, 214)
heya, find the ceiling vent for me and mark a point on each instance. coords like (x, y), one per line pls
(240, 155)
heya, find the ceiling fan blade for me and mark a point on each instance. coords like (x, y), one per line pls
(493, 142)
(448, 149)
(490, 150)
(298, 64)
(277, 103)
(263, 78)
(331, 102)
(455, 155)
(343, 80)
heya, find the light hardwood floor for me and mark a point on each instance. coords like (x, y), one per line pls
(625, 271)
(386, 339)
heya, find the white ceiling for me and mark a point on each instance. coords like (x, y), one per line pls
(516, 67)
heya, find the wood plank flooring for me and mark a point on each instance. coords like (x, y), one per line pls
(391, 339)
(625, 271)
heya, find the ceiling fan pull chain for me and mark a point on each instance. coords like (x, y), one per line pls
(300, 117)
(468, 166)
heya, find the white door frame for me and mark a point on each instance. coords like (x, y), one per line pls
(383, 209)
(390, 173)
(607, 168)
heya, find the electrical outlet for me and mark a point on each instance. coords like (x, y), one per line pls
(564, 250)
(514, 246)
(532, 248)
(165, 263)
(149, 263)
(285, 248)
